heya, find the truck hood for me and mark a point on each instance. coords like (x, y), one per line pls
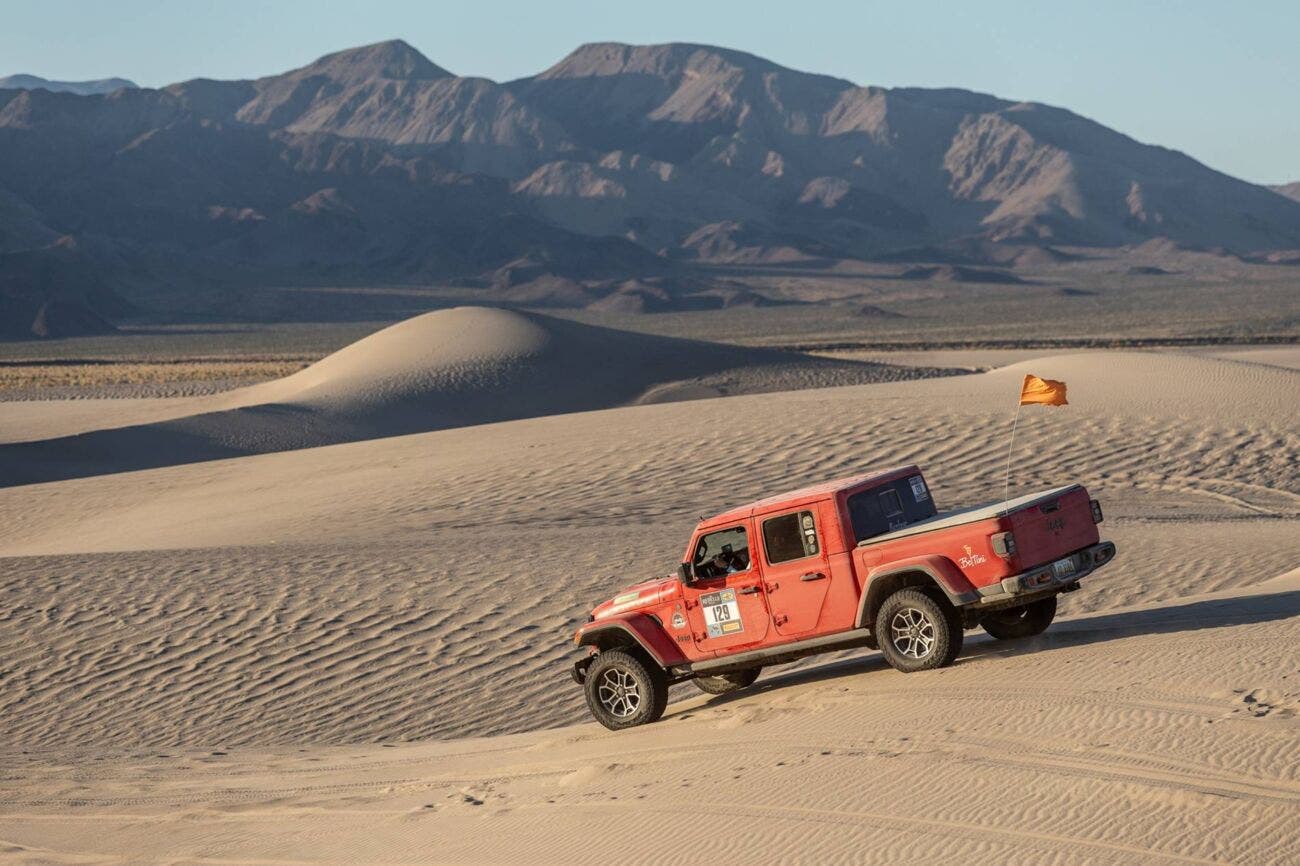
(645, 594)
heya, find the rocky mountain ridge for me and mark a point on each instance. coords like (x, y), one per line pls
(620, 162)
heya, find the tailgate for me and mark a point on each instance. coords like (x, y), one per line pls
(1048, 529)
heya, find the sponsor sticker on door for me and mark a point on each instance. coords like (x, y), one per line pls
(919, 493)
(721, 613)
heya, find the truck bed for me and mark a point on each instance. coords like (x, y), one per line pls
(949, 519)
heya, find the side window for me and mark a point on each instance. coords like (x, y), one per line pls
(721, 553)
(790, 536)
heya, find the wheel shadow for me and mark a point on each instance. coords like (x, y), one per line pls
(1084, 631)
(1189, 617)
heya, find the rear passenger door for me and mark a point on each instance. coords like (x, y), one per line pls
(795, 569)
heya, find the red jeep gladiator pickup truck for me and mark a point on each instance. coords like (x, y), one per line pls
(861, 561)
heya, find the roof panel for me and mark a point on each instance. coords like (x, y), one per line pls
(807, 494)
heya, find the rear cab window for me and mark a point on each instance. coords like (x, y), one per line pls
(887, 507)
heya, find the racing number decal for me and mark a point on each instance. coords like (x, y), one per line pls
(721, 613)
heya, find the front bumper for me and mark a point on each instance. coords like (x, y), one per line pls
(1044, 578)
(579, 672)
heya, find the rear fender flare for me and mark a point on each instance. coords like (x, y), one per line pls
(937, 571)
(634, 629)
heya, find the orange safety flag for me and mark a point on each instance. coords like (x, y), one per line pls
(1046, 391)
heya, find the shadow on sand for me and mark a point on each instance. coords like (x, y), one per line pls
(1189, 617)
(195, 439)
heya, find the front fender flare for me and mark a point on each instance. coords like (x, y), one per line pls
(632, 628)
(939, 570)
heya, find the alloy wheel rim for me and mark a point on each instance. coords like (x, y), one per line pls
(618, 692)
(912, 632)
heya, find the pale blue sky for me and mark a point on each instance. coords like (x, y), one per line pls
(1217, 80)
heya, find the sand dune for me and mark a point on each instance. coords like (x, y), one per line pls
(1153, 734)
(449, 368)
(988, 359)
(1140, 424)
(188, 650)
(330, 644)
(363, 559)
(1273, 356)
(471, 365)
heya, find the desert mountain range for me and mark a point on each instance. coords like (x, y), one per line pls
(84, 88)
(620, 163)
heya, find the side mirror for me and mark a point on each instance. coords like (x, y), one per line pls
(686, 573)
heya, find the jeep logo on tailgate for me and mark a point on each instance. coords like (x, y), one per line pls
(1055, 524)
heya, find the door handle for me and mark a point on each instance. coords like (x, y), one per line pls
(813, 575)
(749, 590)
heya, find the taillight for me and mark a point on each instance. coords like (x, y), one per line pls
(1096, 510)
(1004, 544)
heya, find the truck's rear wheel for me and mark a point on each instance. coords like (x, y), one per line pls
(916, 632)
(623, 691)
(721, 684)
(1024, 621)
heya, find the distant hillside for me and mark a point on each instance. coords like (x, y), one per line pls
(375, 165)
(1290, 190)
(58, 290)
(83, 88)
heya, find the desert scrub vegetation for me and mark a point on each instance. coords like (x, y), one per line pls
(30, 378)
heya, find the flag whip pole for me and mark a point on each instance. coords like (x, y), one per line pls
(1006, 484)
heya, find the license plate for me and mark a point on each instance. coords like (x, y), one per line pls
(1063, 567)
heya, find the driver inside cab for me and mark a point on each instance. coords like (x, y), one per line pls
(722, 552)
(728, 561)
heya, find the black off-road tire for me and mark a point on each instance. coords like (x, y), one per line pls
(643, 696)
(1024, 621)
(930, 636)
(721, 684)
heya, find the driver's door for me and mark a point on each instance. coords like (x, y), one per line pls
(725, 603)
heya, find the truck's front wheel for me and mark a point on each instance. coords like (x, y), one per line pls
(623, 691)
(729, 682)
(1024, 621)
(916, 632)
